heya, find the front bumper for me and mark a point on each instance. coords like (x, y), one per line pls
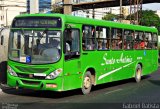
(34, 84)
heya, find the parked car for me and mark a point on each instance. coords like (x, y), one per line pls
(4, 36)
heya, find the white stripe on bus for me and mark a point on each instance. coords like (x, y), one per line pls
(113, 71)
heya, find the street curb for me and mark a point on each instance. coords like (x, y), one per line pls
(4, 87)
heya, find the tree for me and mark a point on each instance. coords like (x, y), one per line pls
(57, 9)
(148, 18)
(110, 17)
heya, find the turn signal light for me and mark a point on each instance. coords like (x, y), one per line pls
(51, 85)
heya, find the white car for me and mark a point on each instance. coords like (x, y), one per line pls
(4, 36)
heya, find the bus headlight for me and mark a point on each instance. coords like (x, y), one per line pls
(11, 71)
(54, 74)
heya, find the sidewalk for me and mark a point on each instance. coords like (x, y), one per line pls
(4, 87)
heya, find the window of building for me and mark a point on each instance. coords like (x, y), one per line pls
(102, 37)
(88, 38)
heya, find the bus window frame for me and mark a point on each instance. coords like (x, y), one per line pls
(133, 40)
(147, 48)
(138, 40)
(153, 42)
(71, 55)
(94, 37)
(122, 33)
(109, 38)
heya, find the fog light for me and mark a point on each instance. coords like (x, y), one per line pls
(51, 85)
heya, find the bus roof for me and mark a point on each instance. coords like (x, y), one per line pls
(96, 22)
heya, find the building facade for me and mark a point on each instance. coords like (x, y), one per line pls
(9, 9)
(43, 5)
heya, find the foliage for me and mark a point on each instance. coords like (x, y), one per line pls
(149, 18)
(110, 17)
(57, 9)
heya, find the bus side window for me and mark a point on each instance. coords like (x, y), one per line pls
(148, 40)
(128, 39)
(88, 38)
(103, 38)
(154, 41)
(139, 40)
(116, 39)
(2, 40)
(72, 43)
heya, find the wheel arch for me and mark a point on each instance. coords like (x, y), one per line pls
(140, 63)
(93, 73)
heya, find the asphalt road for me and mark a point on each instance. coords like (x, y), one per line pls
(116, 95)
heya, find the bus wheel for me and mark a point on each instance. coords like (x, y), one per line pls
(138, 73)
(87, 83)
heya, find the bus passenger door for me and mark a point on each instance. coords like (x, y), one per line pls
(71, 49)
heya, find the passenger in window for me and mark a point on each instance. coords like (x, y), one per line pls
(146, 43)
(68, 48)
(114, 45)
(142, 44)
(119, 43)
(136, 45)
(83, 46)
(53, 43)
(155, 46)
(36, 48)
(99, 45)
(107, 45)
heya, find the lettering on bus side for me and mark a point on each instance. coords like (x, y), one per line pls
(121, 59)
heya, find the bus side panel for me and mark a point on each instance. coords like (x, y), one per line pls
(147, 61)
(123, 65)
(72, 74)
(102, 67)
(154, 60)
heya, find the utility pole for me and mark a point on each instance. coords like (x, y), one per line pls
(34, 6)
(136, 10)
(93, 13)
(67, 7)
(120, 10)
(6, 17)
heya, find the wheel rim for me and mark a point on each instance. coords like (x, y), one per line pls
(138, 74)
(87, 82)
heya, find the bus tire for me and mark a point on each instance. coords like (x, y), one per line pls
(138, 73)
(87, 83)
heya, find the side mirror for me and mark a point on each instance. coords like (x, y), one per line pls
(2, 40)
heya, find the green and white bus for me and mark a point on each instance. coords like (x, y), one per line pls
(60, 52)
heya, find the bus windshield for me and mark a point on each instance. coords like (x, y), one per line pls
(35, 47)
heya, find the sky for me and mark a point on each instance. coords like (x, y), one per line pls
(151, 6)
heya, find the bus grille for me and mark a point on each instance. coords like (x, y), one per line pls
(32, 70)
(31, 82)
(21, 75)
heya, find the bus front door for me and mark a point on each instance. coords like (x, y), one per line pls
(72, 61)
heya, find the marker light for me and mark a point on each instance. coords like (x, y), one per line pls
(54, 74)
(11, 71)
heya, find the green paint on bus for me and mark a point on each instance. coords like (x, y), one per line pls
(75, 52)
